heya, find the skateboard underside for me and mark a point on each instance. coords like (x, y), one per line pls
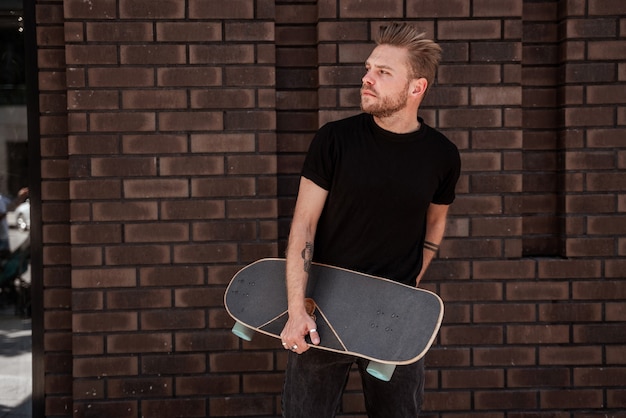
(356, 314)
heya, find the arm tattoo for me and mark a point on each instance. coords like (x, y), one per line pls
(307, 256)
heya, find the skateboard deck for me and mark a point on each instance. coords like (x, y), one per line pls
(386, 322)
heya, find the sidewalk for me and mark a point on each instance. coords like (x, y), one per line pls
(15, 365)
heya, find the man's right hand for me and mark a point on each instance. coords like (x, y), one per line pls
(298, 326)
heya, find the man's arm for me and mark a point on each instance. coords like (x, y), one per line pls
(309, 205)
(436, 216)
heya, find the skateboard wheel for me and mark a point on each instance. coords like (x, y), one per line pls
(243, 331)
(380, 370)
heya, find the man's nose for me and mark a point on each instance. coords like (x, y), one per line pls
(367, 79)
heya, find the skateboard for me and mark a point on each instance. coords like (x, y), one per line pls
(385, 322)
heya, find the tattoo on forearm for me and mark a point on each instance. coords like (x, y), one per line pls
(307, 256)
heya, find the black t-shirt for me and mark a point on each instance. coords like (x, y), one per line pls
(380, 185)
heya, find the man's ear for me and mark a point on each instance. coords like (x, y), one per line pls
(419, 86)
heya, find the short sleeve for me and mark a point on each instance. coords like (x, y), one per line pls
(320, 160)
(445, 193)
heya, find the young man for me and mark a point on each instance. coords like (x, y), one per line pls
(373, 197)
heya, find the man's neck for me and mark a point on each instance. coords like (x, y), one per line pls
(398, 124)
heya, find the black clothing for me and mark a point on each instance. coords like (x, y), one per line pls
(380, 185)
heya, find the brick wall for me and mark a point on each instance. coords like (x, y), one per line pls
(171, 138)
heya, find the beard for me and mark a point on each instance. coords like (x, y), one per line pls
(385, 106)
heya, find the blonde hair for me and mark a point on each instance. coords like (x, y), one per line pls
(424, 54)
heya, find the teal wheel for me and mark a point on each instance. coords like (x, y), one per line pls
(380, 370)
(243, 331)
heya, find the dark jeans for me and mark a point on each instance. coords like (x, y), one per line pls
(314, 383)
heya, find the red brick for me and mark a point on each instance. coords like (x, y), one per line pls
(207, 297)
(242, 406)
(569, 269)
(225, 231)
(252, 31)
(540, 377)
(464, 335)
(154, 99)
(221, 54)
(496, 183)
(127, 211)
(173, 364)
(424, 8)
(116, 122)
(153, 144)
(153, 54)
(236, 76)
(474, 249)
(223, 142)
(155, 188)
(470, 118)
(599, 377)
(510, 269)
(573, 398)
(151, 9)
(189, 76)
(191, 121)
(570, 355)
(484, 205)
(188, 31)
(91, 54)
(137, 254)
(161, 232)
(216, 9)
(140, 387)
(537, 291)
(87, 300)
(89, 389)
(495, 8)
(171, 275)
(468, 29)
(505, 400)
(96, 234)
(139, 343)
(213, 341)
(354, 9)
(603, 334)
(172, 407)
(570, 312)
(118, 32)
(508, 313)
(448, 400)
(137, 299)
(86, 256)
(459, 379)
(259, 208)
(121, 409)
(482, 161)
(205, 253)
(538, 334)
(104, 322)
(95, 189)
(172, 319)
(207, 385)
(120, 77)
(616, 399)
(78, 9)
(504, 356)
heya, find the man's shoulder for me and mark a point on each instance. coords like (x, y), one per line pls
(440, 138)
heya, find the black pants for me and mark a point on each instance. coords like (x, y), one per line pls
(314, 383)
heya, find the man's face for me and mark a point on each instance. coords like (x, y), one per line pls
(385, 87)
